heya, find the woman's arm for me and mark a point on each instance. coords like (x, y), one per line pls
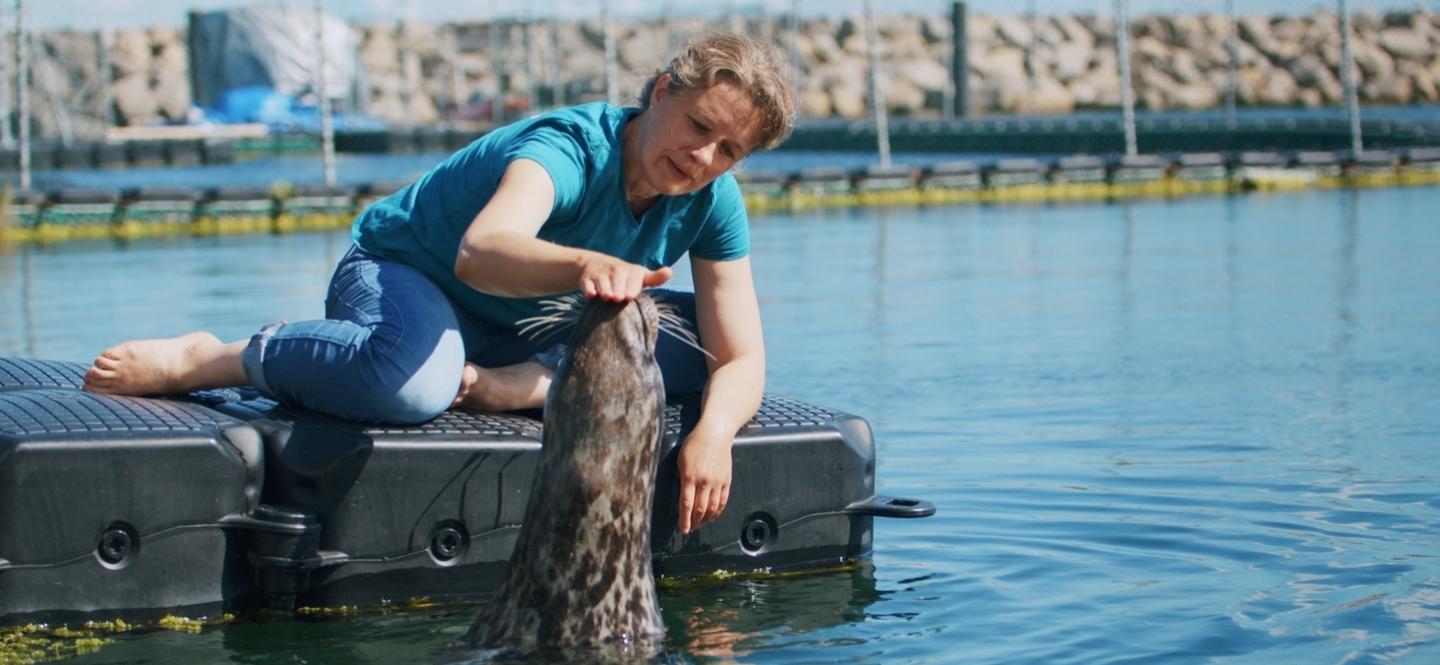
(500, 255)
(729, 319)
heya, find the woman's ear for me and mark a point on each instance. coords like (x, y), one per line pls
(661, 88)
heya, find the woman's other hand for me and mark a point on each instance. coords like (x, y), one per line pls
(704, 465)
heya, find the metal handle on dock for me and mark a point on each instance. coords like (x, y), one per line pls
(891, 506)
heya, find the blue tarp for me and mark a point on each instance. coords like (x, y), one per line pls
(281, 113)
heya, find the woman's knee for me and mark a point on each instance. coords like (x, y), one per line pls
(419, 392)
(376, 385)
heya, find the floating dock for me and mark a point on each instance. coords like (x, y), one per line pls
(201, 505)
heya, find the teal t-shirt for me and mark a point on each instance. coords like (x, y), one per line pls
(421, 225)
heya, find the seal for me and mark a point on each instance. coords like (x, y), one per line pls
(580, 574)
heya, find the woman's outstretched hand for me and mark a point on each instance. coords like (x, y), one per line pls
(705, 468)
(609, 278)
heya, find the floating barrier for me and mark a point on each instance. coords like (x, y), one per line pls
(821, 186)
(1268, 171)
(951, 182)
(885, 185)
(1020, 179)
(156, 211)
(1199, 173)
(315, 208)
(77, 214)
(764, 190)
(1372, 168)
(144, 212)
(21, 215)
(1079, 177)
(1421, 166)
(1139, 175)
(1323, 165)
(235, 210)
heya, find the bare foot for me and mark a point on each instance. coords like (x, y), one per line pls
(165, 366)
(468, 377)
(521, 386)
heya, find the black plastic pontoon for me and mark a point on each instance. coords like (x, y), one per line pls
(225, 501)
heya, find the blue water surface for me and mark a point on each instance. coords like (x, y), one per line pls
(1189, 431)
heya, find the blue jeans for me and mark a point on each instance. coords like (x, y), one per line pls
(392, 347)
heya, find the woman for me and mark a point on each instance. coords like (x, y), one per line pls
(422, 312)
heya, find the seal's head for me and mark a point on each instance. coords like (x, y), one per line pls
(609, 343)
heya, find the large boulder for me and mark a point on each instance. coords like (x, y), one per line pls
(851, 72)
(1014, 30)
(1074, 32)
(1071, 61)
(644, 51)
(825, 47)
(421, 110)
(1311, 73)
(1279, 88)
(848, 101)
(172, 96)
(134, 102)
(1002, 63)
(1190, 31)
(1374, 63)
(1424, 87)
(935, 29)
(903, 97)
(130, 53)
(1194, 96)
(379, 52)
(1406, 43)
(924, 73)
(1395, 89)
(815, 103)
(388, 106)
(1049, 97)
(1183, 68)
(171, 61)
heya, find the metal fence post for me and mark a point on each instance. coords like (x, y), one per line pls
(1127, 92)
(959, 65)
(1347, 74)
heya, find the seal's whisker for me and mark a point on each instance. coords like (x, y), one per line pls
(676, 326)
(539, 329)
(536, 327)
(567, 302)
(557, 312)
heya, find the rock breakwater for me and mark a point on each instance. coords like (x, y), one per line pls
(422, 73)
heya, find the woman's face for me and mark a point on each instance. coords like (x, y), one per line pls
(688, 138)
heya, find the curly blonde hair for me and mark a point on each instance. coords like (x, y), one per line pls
(756, 66)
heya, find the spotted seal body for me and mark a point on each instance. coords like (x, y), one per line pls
(581, 574)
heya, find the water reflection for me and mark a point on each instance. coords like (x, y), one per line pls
(732, 619)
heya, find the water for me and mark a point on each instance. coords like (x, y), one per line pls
(1160, 432)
